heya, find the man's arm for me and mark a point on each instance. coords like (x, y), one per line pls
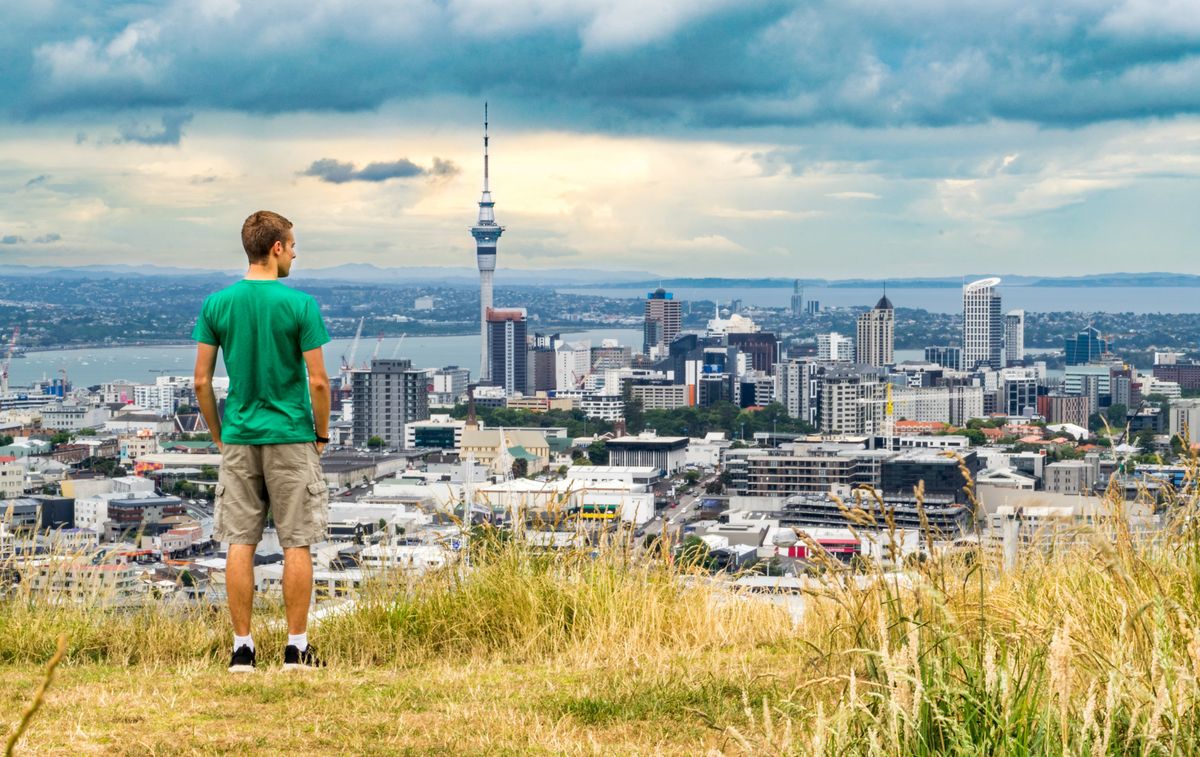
(318, 389)
(206, 363)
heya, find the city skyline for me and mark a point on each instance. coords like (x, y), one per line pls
(803, 140)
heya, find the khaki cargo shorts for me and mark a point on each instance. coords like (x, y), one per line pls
(285, 479)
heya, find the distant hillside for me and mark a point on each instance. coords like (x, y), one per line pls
(366, 273)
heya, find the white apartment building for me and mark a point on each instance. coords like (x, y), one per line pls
(835, 348)
(1185, 420)
(851, 402)
(572, 363)
(606, 407)
(63, 417)
(798, 388)
(660, 396)
(938, 404)
(12, 480)
(157, 398)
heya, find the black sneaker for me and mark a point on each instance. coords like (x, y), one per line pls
(242, 660)
(294, 659)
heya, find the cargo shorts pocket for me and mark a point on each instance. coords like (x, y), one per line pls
(318, 508)
(218, 510)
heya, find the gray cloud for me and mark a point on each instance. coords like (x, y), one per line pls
(612, 66)
(37, 181)
(12, 239)
(170, 133)
(339, 172)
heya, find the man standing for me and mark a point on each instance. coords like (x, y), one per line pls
(276, 426)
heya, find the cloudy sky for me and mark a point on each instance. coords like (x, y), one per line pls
(705, 137)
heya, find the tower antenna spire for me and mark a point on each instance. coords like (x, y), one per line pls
(485, 146)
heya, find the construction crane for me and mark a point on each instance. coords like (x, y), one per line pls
(378, 344)
(348, 363)
(12, 347)
(399, 342)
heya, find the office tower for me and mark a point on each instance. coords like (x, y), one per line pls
(876, 335)
(663, 317)
(1085, 347)
(947, 357)
(486, 233)
(983, 326)
(506, 328)
(797, 299)
(387, 396)
(812, 307)
(1014, 337)
(835, 348)
(760, 347)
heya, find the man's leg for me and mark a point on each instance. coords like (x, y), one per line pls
(239, 586)
(297, 587)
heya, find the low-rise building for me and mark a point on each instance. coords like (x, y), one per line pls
(648, 449)
(1070, 477)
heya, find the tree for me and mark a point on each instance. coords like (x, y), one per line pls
(692, 476)
(694, 552)
(5, 440)
(1117, 415)
(598, 452)
(715, 487)
(62, 437)
(976, 436)
(375, 442)
(635, 416)
(520, 467)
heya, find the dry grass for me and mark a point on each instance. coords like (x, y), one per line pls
(1089, 650)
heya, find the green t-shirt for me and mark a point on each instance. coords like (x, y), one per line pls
(263, 328)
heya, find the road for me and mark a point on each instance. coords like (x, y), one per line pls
(674, 518)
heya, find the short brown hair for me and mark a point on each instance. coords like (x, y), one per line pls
(261, 231)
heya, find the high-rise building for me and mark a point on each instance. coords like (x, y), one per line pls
(506, 329)
(387, 396)
(876, 335)
(448, 386)
(1085, 347)
(812, 307)
(1014, 337)
(797, 299)
(947, 357)
(983, 326)
(486, 233)
(663, 318)
(835, 348)
(851, 401)
(760, 347)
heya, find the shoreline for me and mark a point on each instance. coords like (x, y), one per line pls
(188, 342)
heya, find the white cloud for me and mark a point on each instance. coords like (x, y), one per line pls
(853, 195)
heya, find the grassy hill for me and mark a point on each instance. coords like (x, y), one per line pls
(1093, 649)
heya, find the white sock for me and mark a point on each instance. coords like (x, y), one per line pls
(298, 640)
(243, 641)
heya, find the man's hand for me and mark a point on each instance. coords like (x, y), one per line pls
(320, 448)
